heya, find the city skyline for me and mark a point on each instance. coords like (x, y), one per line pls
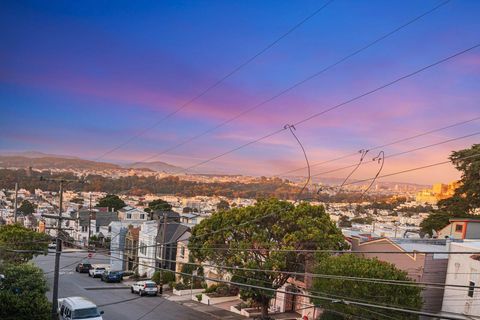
(76, 79)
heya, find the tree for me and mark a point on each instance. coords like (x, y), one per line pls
(111, 201)
(159, 204)
(17, 237)
(26, 208)
(466, 198)
(187, 210)
(22, 294)
(344, 222)
(77, 200)
(223, 205)
(269, 225)
(353, 266)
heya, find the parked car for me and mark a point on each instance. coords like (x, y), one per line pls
(112, 276)
(97, 271)
(52, 246)
(144, 287)
(83, 267)
(78, 308)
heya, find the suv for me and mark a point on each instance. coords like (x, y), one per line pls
(144, 287)
(78, 308)
(83, 267)
(112, 276)
(96, 271)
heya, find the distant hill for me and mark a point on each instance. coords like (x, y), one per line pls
(53, 163)
(35, 154)
(155, 166)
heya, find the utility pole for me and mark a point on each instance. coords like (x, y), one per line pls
(89, 220)
(16, 204)
(58, 252)
(164, 246)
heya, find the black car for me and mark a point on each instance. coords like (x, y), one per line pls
(112, 276)
(83, 267)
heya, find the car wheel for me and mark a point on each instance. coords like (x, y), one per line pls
(140, 293)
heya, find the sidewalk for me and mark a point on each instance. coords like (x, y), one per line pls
(215, 312)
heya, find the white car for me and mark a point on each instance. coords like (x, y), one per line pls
(97, 271)
(78, 308)
(145, 287)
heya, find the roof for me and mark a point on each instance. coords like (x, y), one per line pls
(174, 232)
(79, 302)
(190, 215)
(464, 220)
(103, 219)
(171, 215)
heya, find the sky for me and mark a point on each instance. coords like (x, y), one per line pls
(82, 78)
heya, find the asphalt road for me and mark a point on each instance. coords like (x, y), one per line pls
(75, 284)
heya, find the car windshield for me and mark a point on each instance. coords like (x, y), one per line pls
(100, 269)
(85, 313)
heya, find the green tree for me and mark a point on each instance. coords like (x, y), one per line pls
(17, 237)
(159, 204)
(344, 222)
(285, 226)
(22, 294)
(353, 266)
(223, 205)
(187, 210)
(111, 201)
(27, 207)
(466, 198)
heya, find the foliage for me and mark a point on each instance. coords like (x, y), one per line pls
(77, 200)
(23, 293)
(199, 297)
(159, 204)
(353, 266)
(286, 227)
(221, 290)
(111, 201)
(27, 207)
(17, 237)
(359, 220)
(162, 277)
(344, 222)
(223, 205)
(187, 269)
(466, 198)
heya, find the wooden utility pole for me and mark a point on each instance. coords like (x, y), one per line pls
(16, 204)
(58, 252)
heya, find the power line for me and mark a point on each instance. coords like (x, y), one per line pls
(385, 145)
(347, 302)
(297, 84)
(337, 106)
(218, 82)
(403, 152)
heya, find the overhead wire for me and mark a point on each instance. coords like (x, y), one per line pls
(218, 82)
(297, 84)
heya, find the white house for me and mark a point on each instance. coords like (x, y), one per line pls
(129, 213)
(463, 269)
(146, 247)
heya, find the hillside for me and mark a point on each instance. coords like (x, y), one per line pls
(53, 163)
(155, 166)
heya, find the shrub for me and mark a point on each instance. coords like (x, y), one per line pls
(199, 297)
(163, 277)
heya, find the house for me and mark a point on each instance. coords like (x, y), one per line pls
(461, 228)
(463, 269)
(129, 213)
(146, 247)
(100, 225)
(170, 233)
(191, 219)
(407, 255)
(131, 248)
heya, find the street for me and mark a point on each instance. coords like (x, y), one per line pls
(112, 298)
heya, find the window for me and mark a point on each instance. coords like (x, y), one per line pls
(459, 228)
(182, 252)
(142, 216)
(98, 229)
(84, 228)
(457, 268)
(471, 289)
(143, 249)
(129, 216)
(109, 229)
